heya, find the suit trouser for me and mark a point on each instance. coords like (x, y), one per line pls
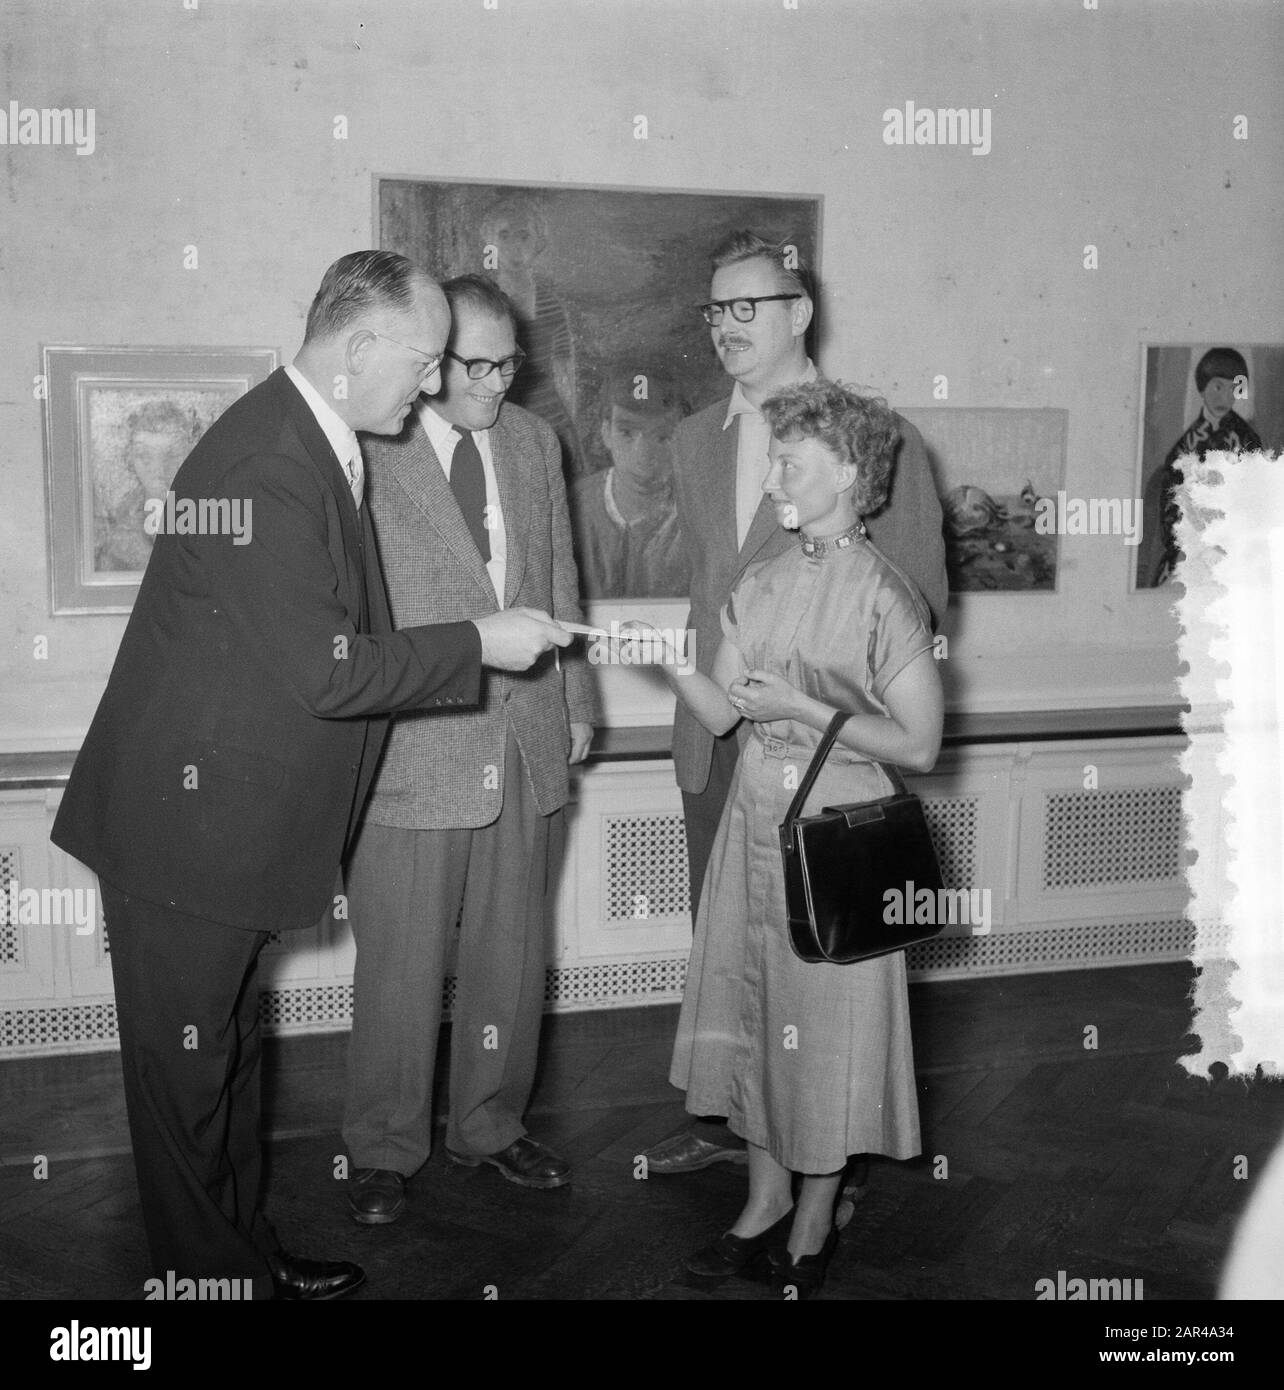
(405, 892)
(187, 1007)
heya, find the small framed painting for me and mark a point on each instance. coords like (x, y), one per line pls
(118, 422)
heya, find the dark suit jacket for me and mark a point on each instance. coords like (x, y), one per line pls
(229, 758)
(434, 773)
(907, 531)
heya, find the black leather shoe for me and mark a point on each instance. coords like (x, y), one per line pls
(687, 1152)
(525, 1161)
(803, 1277)
(376, 1195)
(746, 1255)
(313, 1281)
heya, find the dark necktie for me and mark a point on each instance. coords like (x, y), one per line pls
(468, 483)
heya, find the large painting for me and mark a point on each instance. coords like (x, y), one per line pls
(118, 422)
(1199, 398)
(606, 281)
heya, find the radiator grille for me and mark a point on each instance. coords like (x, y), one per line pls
(91, 1027)
(1076, 946)
(616, 984)
(312, 1007)
(1107, 837)
(65, 1028)
(646, 867)
(953, 823)
(10, 932)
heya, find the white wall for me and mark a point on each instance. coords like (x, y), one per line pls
(1110, 126)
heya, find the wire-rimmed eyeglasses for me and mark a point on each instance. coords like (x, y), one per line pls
(432, 360)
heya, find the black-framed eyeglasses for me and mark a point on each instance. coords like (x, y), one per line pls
(479, 368)
(742, 310)
(431, 360)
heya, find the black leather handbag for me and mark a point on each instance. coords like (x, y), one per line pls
(840, 864)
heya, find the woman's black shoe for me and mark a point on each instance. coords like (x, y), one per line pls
(745, 1255)
(802, 1277)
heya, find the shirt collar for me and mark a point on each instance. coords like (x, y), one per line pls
(341, 436)
(741, 405)
(438, 429)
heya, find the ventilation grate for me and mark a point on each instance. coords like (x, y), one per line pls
(953, 822)
(1104, 837)
(10, 932)
(646, 867)
(311, 1007)
(91, 1027)
(1076, 946)
(616, 984)
(67, 1028)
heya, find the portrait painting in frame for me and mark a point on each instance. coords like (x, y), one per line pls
(606, 283)
(118, 423)
(1198, 398)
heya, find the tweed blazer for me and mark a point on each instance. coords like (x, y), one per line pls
(907, 530)
(448, 773)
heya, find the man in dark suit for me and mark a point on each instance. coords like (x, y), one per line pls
(227, 763)
(762, 302)
(464, 823)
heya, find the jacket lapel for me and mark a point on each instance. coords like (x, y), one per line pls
(763, 527)
(418, 470)
(316, 446)
(718, 487)
(512, 473)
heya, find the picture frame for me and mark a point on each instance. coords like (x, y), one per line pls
(118, 422)
(995, 468)
(606, 279)
(1171, 405)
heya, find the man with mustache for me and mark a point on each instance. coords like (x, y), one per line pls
(761, 306)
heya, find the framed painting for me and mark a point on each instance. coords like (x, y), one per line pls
(999, 472)
(606, 282)
(118, 422)
(1198, 398)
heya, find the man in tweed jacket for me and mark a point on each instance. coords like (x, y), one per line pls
(469, 508)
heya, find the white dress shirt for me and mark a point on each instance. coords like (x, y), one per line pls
(342, 437)
(443, 436)
(751, 453)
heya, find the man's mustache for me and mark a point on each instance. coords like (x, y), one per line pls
(724, 341)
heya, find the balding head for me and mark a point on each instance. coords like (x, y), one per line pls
(376, 331)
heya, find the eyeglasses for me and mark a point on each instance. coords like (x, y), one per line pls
(742, 310)
(479, 368)
(433, 360)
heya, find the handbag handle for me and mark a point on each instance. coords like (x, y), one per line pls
(817, 762)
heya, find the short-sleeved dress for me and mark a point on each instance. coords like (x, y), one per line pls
(811, 1062)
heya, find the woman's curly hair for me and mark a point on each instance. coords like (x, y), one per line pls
(860, 430)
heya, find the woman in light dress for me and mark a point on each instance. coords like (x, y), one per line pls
(809, 1062)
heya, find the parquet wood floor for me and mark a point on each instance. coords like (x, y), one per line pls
(1039, 1155)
